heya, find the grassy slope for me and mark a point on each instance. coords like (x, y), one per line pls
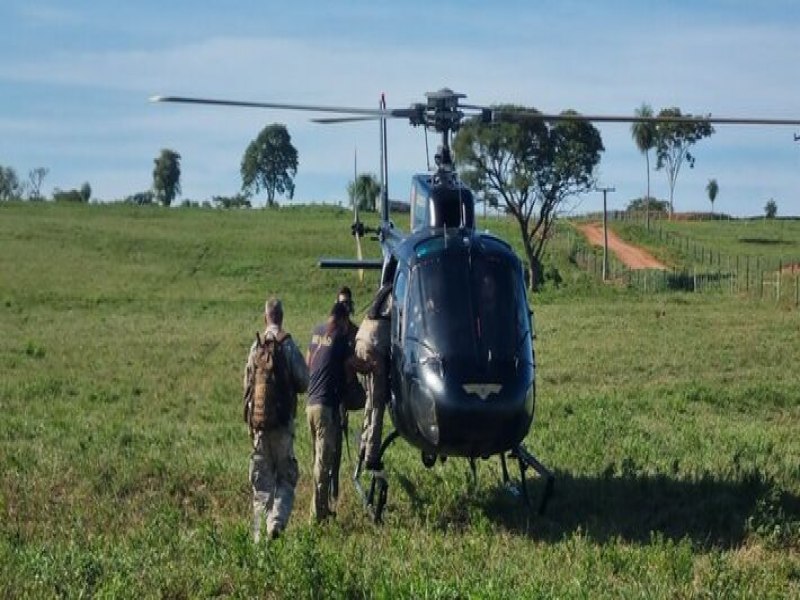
(671, 422)
(772, 242)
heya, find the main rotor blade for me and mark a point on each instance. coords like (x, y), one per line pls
(330, 120)
(371, 112)
(655, 119)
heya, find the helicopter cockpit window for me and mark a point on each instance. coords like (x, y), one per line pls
(501, 311)
(471, 309)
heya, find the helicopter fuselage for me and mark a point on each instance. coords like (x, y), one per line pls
(462, 362)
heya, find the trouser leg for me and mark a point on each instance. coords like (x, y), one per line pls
(262, 479)
(286, 474)
(373, 415)
(323, 434)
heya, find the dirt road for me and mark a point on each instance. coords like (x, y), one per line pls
(631, 256)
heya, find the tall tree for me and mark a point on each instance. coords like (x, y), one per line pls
(35, 180)
(644, 134)
(10, 186)
(531, 167)
(712, 189)
(673, 142)
(771, 209)
(365, 191)
(270, 163)
(86, 191)
(167, 176)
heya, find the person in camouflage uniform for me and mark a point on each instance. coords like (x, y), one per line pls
(372, 344)
(331, 361)
(273, 466)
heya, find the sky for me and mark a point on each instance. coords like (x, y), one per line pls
(75, 79)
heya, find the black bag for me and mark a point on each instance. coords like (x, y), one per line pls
(355, 396)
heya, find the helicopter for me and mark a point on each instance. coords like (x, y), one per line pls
(462, 359)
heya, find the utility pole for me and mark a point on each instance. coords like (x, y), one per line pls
(605, 191)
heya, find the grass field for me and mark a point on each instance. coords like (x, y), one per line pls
(671, 422)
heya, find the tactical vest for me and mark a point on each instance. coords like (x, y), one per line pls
(274, 402)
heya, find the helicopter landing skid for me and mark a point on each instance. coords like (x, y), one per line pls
(527, 460)
(375, 496)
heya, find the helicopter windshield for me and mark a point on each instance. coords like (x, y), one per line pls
(468, 308)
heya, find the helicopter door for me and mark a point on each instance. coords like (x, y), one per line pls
(398, 303)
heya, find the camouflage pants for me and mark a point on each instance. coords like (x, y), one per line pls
(273, 475)
(326, 443)
(377, 387)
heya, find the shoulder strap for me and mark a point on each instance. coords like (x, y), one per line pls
(280, 338)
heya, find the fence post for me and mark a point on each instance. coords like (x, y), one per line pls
(797, 290)
(747, 274)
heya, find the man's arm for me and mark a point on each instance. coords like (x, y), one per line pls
(297, 367)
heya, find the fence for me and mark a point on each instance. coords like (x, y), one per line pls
(760, 277)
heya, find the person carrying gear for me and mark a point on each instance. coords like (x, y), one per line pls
(331, 361)
(344, 297)
(373, 342)
(274, 374)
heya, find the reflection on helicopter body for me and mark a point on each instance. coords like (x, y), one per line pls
(462, 366)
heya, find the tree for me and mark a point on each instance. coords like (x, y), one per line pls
(270, 163)
(673, 141)
(648, 204)
(644, 134)
(167, 176)
(771, 209)
(712, 188)
(237, 201)
(140, 198)
(10, 186)
(67, 196)
(86, 191)
(35, 180)
(365, 190)
(531, 167)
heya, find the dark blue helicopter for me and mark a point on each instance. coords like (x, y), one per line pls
(462, 362)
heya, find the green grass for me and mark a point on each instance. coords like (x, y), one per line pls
(671, 422)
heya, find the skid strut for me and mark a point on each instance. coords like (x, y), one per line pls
(374, 497)
(527, 460)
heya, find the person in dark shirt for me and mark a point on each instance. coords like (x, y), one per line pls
(331, 361)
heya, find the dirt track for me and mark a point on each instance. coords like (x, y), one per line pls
(631, 256)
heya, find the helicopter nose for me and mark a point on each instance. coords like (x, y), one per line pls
(478, 418)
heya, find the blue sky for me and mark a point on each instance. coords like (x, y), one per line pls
(75, 78)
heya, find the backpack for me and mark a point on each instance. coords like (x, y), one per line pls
(273, 401)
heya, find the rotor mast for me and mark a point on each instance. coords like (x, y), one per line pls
(441, 114)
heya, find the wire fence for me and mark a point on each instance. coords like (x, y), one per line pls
(705, 270)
